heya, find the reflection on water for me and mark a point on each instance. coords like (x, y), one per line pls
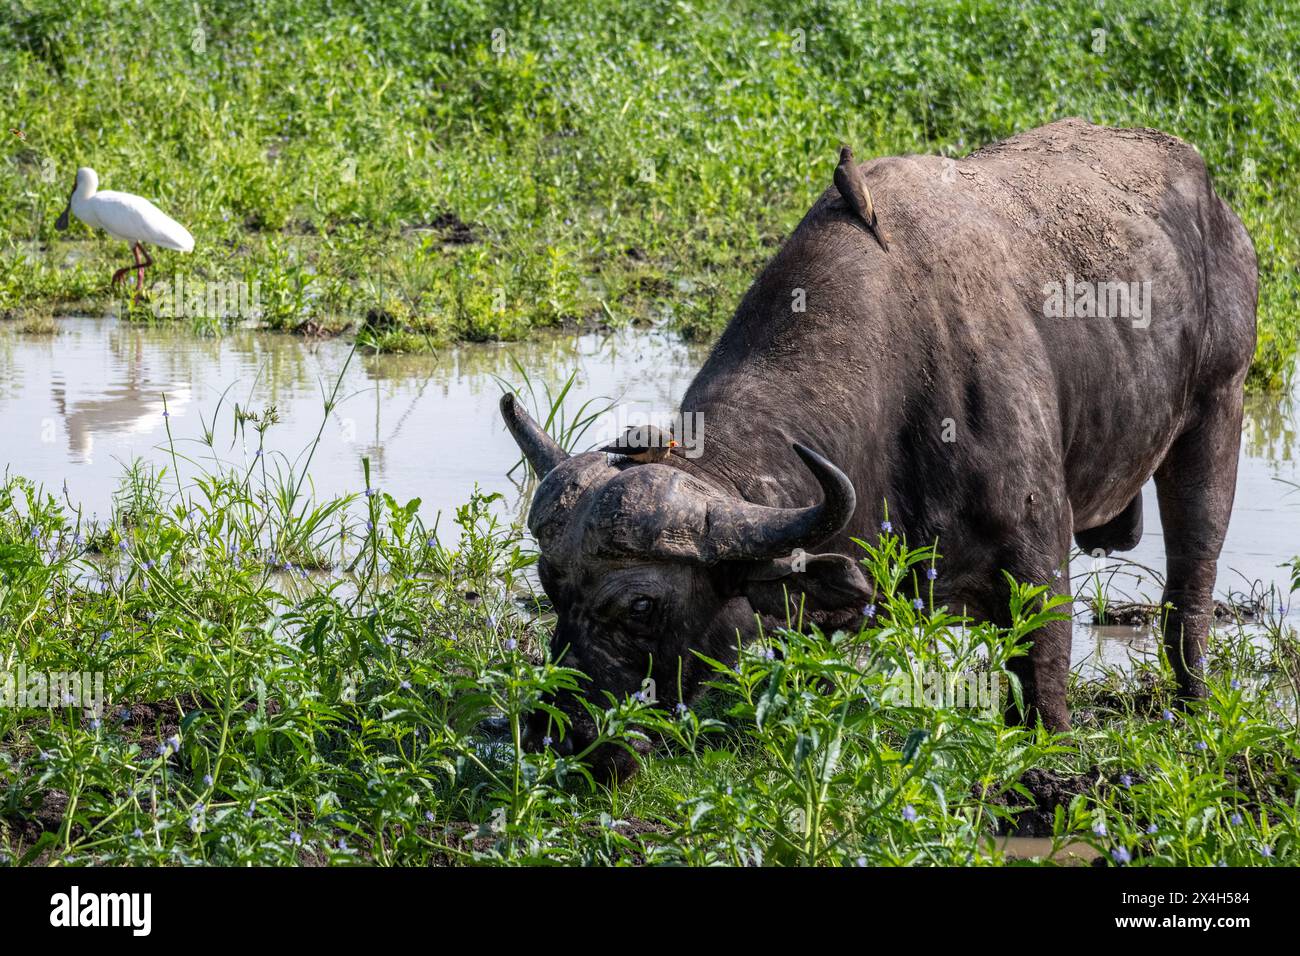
(76, 403)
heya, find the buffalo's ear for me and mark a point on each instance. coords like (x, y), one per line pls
(829, 586)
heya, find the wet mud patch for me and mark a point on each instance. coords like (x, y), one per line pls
(453, 230)
(38, 818)
(1140, 614)
(1143, 695)
(1038, 795)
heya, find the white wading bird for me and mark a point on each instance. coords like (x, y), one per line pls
(132, 219)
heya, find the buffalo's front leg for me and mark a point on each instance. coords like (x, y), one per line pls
(1044, 673)
(1041, 556)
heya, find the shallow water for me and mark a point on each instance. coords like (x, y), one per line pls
(77, 402)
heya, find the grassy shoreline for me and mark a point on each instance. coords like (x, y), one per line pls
(472, 172)
(292, 681)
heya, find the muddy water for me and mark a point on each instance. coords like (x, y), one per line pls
(75, 404)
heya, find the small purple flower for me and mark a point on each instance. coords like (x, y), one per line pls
(428, 815)
(174, 741)
(1153, 829)
(1235, 684)
(295, 838)
(1120, 855)
(1167, 716)
(909, 813)
(1266, 851)
(768, 653)
(547, 741)
(886, 527)
(511, 644)
(405, 685)
(1100, 829)
(1125, 780)
(95, 723)
(1235, 819)
(931, 573)
(137, 833)
(918, 604)
(869, 611)
(680, 708)
(370, 492)
(207, 780)
(1201, 745)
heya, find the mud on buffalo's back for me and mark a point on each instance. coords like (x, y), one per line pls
(1090, 196)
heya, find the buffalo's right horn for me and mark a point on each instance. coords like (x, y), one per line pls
(538, 447)
(743, 530)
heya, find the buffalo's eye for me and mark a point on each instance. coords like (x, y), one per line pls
(641, 606)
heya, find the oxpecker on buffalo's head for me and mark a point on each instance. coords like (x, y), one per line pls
(647, 564)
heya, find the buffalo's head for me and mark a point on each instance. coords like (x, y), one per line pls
(646, 563)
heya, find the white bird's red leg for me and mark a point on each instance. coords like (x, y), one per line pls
(121, 273)
(140, 266)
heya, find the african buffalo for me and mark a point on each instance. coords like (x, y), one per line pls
(974, 377)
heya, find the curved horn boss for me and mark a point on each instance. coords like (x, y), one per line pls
(738, 530)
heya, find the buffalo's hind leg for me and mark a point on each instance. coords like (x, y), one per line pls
(1195, 484)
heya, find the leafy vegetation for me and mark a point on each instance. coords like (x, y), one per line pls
(287, 681)
(292, 680)
(444, 171)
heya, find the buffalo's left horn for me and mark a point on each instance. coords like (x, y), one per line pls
(743, 530)
(538, 447)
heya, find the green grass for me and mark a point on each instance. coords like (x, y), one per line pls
(612, 163)
(293, 681)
